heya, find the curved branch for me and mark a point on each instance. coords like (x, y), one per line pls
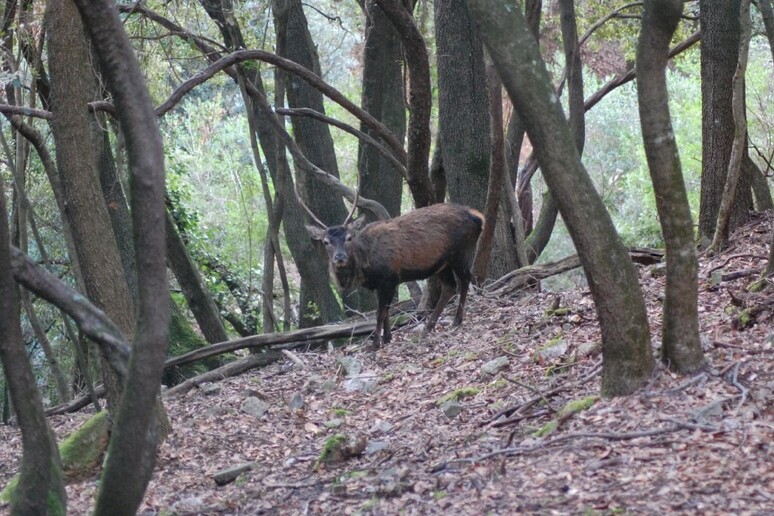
(619, 80)
(303, 162)
(9, 109)
(215, 56)
(308, 112)
(91, 320)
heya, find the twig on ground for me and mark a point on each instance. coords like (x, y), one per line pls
(733, 257)
(610, 436)
(513, 413)
(742, 389)
(691, 381)
(295, 358)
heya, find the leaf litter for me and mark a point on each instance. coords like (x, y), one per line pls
(528, 435)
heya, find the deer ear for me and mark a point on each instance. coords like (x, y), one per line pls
(315, 233)
(357, 224)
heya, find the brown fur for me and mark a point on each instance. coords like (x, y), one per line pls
(439, 239)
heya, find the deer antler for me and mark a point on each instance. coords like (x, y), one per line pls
(311, 215)
(354, 207)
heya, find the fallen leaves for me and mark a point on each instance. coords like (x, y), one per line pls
(697, 445)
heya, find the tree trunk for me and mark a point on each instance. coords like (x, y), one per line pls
(40, 489)
(759, 183)
(719, 25)
(136, 432)
(611, 276)
(382, 97)
(420, 101)
(739, 144)
(315, 289)
(85, 209)
(680, 348)
(463, 109)
(313, 137)
(514, 135)
(196, 294)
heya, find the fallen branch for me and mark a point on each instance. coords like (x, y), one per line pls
(514, 414)
(610, 436)
(527, 276)
(231, 369)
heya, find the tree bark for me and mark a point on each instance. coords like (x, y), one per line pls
(549, 209)
(739, 143)
(196, 294)
(85, 209)
(759, 183)
(420, 101)
(680, 346)
(132, 450)
(719, 25)
(40, 489)
(464, 125)
(382, 97)
(611, 276)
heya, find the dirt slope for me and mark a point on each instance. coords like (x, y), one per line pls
(681, 445)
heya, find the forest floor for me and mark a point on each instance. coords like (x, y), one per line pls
(523, 430)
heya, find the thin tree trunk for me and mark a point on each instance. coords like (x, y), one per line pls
(40, 489)
(740, 133)
(540, 236)
(496, 171)
(680, 348)
(315, 287)
(612, 279)
(136, 432)
(196, 294)
(759, 183)
(420, 101)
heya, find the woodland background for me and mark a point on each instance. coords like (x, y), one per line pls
(240, 113)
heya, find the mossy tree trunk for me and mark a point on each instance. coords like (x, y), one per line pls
(611, 276)
(40, 489)
(680, 347)
(464, 126)
(132, 449)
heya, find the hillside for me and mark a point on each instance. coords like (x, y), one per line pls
(682, 445)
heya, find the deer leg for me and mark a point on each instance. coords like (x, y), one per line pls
(384, 296)
(447, 291)
(463, 279)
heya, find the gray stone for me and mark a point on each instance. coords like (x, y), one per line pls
(334, 423)
(553, 349)
(327, 386)
(384, 427)
(210, 389)
(349, 366)
(452, 409)
(254, 406)
(494, 366)
(587, 349)
(296, 401)
(375, 447)
(360, 384)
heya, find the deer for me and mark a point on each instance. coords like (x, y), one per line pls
(439, 240)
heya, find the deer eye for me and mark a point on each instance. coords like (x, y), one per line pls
(326, 241)
(349, 238)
